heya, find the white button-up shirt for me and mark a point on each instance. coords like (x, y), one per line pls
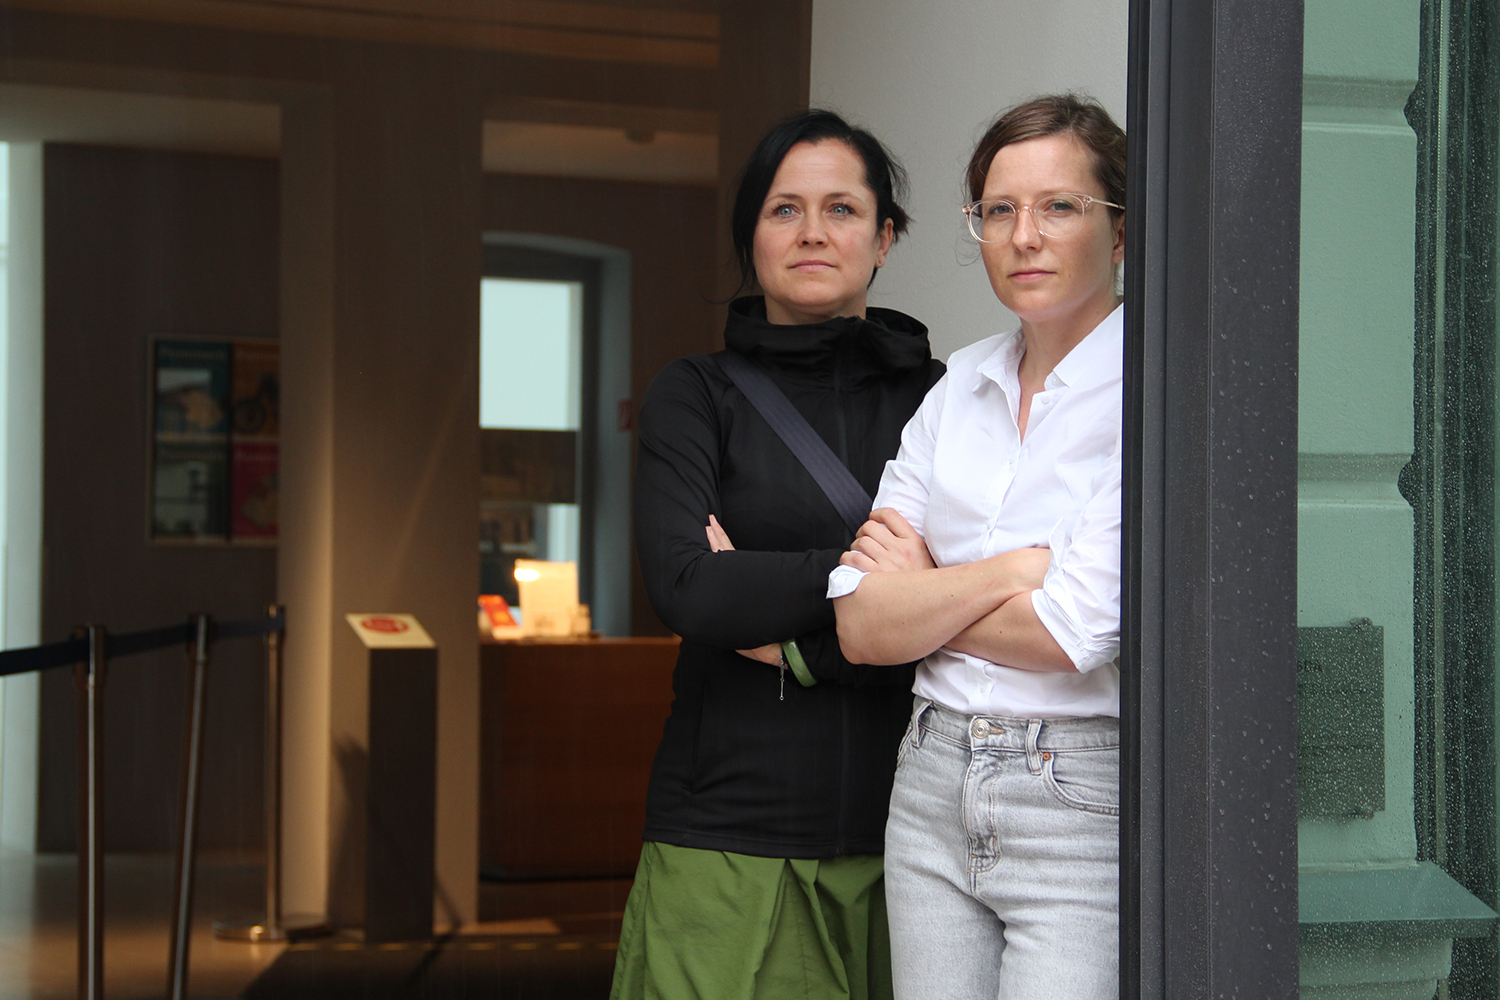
(973, 488)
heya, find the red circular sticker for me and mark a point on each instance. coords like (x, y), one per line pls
(380, 623)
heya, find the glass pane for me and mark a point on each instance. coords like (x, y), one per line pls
(1396, 656)
(530, 379)
(530, 353)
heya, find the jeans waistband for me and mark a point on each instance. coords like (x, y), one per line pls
(998, 732)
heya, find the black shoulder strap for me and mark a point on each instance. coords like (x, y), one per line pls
(838, 483)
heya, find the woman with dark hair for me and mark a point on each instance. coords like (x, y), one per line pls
(994, 555)
(761, 875)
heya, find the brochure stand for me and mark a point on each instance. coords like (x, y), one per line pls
(393, 829)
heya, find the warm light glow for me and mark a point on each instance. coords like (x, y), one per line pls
(527, 575)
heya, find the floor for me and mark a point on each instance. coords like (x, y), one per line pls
(545, 940)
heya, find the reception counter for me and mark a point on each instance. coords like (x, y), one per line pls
(568, 729)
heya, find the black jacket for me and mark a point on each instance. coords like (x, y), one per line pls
(738, 768)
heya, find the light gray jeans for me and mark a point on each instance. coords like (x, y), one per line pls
(1002, 857)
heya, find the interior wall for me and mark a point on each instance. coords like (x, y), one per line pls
(669, 231)
(139, 244)
(927, 79)
(764, 77)
(384, 470)
(382, 203)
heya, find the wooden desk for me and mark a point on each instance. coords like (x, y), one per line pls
(568, 730)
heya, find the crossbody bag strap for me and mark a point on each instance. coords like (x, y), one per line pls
(837, 482)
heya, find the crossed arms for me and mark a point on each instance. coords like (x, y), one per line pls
(907, 607)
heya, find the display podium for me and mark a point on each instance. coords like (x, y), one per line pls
(385, 871)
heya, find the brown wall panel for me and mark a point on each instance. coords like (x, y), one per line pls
(199, 57)
(141, 244)
(404, 409)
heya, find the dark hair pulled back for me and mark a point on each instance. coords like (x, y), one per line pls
(883, 175)
(1081, 117)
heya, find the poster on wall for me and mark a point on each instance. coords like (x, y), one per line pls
(255, 421)
(190, 481)
(215, 418)
(252, 497)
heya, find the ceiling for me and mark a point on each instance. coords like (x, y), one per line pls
(555, 138)
(607, 153)
(521, 134)
(664, 32)
(33, 113)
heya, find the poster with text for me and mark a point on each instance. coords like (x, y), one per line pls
(190, 458)
(192, 389)
(252, 501)
(189, 490)
(256, 396)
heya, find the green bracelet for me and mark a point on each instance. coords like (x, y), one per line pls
(797, 663)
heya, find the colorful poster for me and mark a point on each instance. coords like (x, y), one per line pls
(253, 490)
(216, 414)
(192, 389)
(190, 475)
(255, 406)
(189, 490)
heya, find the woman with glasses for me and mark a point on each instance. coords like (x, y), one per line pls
(761, 874)
(994, 555)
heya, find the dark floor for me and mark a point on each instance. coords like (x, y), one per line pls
(554, 967)
(535, 941)
(552, 940)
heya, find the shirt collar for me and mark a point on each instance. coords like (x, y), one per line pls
(1097, 359)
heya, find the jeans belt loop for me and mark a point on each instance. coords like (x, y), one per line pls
(916, 723)
(1033, 755)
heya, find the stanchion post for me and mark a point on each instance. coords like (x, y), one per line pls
(275, 641)
(90, 678)
(275, 926)
(192, 781)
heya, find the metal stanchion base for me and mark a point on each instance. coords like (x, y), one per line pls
(292, 928)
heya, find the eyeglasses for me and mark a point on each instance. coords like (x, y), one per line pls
(1057, 216)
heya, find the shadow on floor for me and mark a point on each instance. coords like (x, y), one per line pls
(552, 967)
(537, 941)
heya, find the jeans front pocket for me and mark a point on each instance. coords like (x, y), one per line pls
(904, 747)
(1086, 780)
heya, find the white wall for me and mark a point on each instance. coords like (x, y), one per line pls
(21, 492)
(927, 78)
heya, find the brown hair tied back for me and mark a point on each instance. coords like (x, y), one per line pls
(1081, 117)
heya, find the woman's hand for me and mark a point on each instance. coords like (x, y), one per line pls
(770, 653)
(718, 541)
(887, 543)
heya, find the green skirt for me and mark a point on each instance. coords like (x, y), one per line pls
(710, 925)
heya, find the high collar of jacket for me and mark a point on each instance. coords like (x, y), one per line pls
(881, 342)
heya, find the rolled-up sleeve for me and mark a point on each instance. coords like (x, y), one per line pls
(906, 483)
(1079, 602)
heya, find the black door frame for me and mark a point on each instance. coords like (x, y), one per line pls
(1208, 660)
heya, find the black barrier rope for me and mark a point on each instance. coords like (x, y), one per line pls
(55, 654)
(71, 651)
(90, 652)
(251, 626)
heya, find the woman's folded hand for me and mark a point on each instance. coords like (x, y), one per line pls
(887, 543)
